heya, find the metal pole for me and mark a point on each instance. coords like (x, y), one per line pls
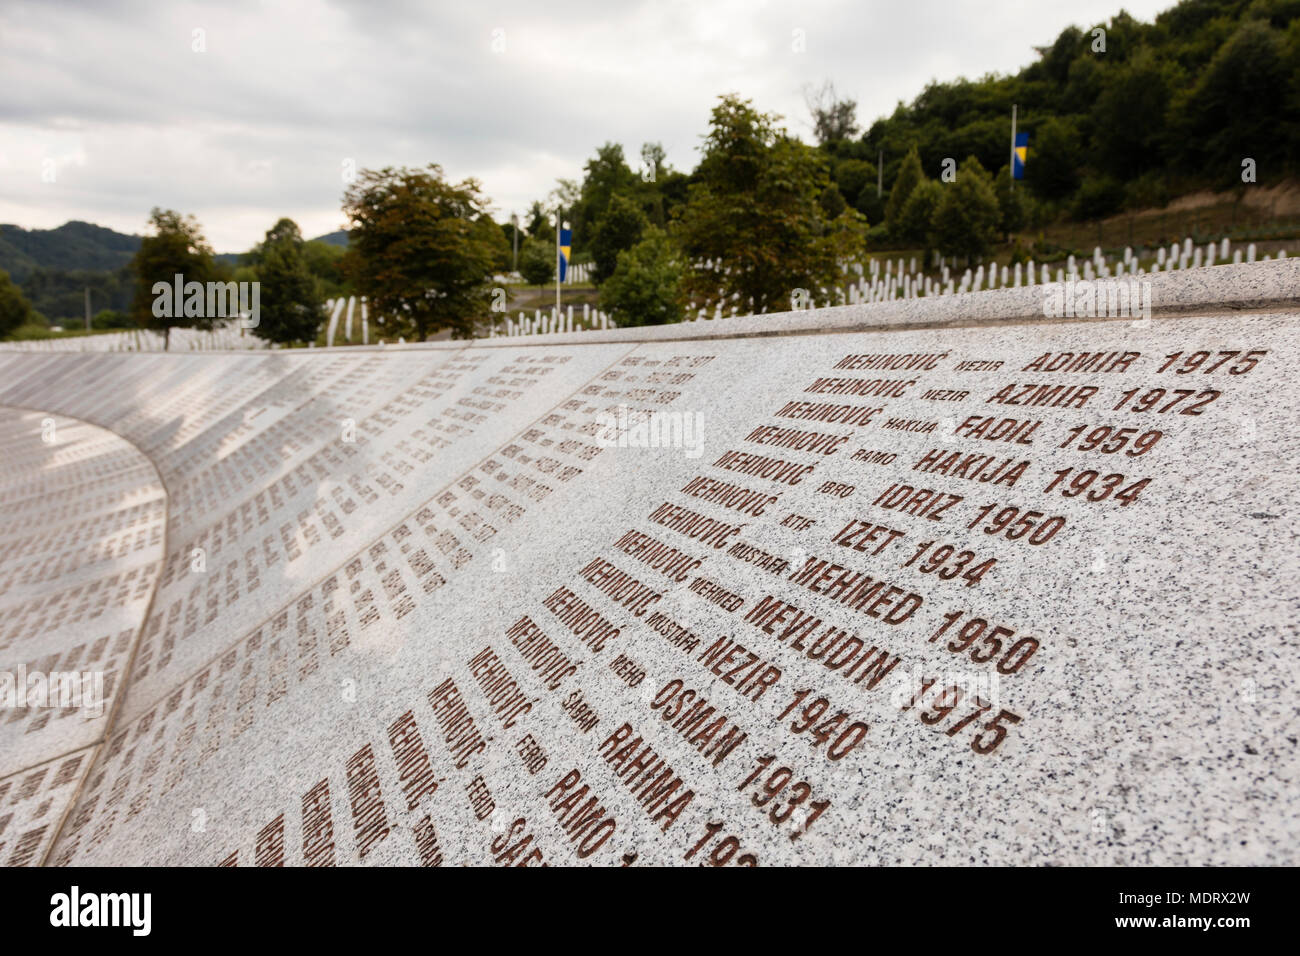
(557, 260)
(514, 234)
(87, 308)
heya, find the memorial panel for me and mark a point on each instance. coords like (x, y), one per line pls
(1026, 593)
(82, 521)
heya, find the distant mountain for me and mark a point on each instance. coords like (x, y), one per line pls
(72, 246)
(339, 238)
(55, 267)
(81, 246)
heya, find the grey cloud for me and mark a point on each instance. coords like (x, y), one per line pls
(305, 86)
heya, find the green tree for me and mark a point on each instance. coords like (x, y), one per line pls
(60, 295)
(914, 222)
(853, 176)
(421, 249)
(289, 293)
(754, 214)
(619, 229)
(324, 261)
(177, 247)
(1058, 57)
(986, 139)
(110, 319)
(672, 189)
(606, 174)
(512, 236)
(14, 308)
(870, 205)
(1167, 108)
(1129, 117)
(1011, 203)
(1052, 168)
(833, 119)
(1084, 84)
(1293, 85)
(284, 230)
(909, 176)
(648, 284)
(1241, 105)
(539, 220)
(537, 261)
(832, 201)
(565, 195)
(659, 189)
(1097, 198)
(965, 222)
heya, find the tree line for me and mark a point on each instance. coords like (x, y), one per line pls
(1123, 115)
(1120, 115)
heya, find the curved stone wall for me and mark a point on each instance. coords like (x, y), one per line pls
(914, 588)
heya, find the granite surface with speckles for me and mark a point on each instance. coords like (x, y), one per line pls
(82, 521)
(943, 591)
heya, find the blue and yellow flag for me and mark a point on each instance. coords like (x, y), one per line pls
(566, 244)
(1020, 155)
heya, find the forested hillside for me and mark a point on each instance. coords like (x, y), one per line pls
(1201, 106)
(1128, 117)
(73, 245)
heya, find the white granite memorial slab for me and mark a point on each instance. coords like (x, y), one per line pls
(1013, 590)
(82, 522)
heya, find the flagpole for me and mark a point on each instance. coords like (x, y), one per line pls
(557, 262)
(514, 232)
(1011, 169)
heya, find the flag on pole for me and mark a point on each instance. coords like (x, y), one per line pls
(1019, 156)
(566, 244)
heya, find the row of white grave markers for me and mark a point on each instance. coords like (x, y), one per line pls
(880, 280)
(226, 337)
(577, 273)
(335, 308)
(540, 323)
(883, 280)
(544, 323)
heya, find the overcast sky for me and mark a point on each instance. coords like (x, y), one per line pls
(254, 116)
